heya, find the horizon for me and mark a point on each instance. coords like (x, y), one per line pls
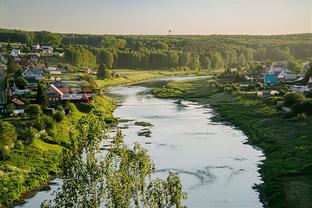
(138, 17)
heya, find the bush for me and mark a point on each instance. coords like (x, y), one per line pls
(28, 135)
(46, 122)
(307, 106)
(297, 109)
(21, 83)
(33, 110)
(59, 115)
(291, 99)
(7, 139)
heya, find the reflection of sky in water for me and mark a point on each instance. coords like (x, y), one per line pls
(216, 168)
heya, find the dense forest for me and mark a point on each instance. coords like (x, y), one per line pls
(170, 52)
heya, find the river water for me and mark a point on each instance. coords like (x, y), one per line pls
(216, 167)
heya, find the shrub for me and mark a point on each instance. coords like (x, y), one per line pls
(59, 115)
(291, 99)
(297, 109)
(33, 110)
(28, 135)
(7, 139)
(307, 106)
(21, 83)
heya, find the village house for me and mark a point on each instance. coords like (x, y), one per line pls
(47, 49)
(59, 93)
(33, 75)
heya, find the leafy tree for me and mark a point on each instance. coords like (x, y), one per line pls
(120, 179)
(195, 63)
(48, 38)
(184, 59)
(41, 96)
(11, 65)
(59, 115)
(10, 107)
(216, 60)
(241, 60)
(206, 63)
(28, 135)
(103, 72)
(33, 110)
(7, 138)
(21, 83)
(113, 42)
(291, 99)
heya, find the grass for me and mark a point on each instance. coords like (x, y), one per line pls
(130, 76)
(287, 144)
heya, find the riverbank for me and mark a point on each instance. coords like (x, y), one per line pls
(32, 166)
(131, 76)
(287, 168)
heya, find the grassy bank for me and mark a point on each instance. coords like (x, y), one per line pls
(287, 143)
(30, 166)
(131, 76)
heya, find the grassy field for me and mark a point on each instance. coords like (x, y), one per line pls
(130, 76)
(287, 143)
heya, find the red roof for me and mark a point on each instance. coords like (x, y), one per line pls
(22, 63)
(65, 90)
(17, 101)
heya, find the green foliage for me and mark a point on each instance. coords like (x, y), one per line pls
(10, 107)
(118, 180)
(59, 115)
(166, 92)
(48, 38)
(80, 56)
(291, 99)
(7, 139)
(11, 66)
(33, 110)
(113, 42)
(103, 72)
(41, 96)
(21, 83)
(28, 135)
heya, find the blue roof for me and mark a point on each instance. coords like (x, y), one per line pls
(270, 79)
(36, 71)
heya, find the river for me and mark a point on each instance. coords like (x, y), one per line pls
(216, 167)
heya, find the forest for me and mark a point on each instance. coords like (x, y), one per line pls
(170, 52)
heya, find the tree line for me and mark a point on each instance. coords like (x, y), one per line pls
(165, 52)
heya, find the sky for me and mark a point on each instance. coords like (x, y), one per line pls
(198, 17)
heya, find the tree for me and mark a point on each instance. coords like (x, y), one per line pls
(41, 96)
(103, 73)
(7, 138)
(291, 99)
(108, 59)
(20, 82)
(195, 63)
(33, 110)
(59, 115)
(241, 60)
(28, 135)
(10, 107)
(48, 38)
(216, 60)
(120, 179)
(184, 59)
(113, 42)
(11, 65)
(206, 63)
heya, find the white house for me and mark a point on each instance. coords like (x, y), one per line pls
(47, 49)
(299, 88)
